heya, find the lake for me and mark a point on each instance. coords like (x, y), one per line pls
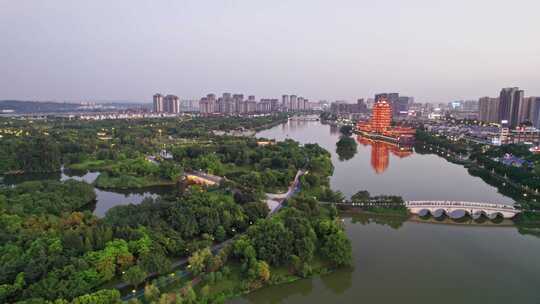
(400, 261)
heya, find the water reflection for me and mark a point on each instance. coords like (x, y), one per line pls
(340, 281)
(334, 129)
(394, 222)
(380, 152)
(346, 148)
(278, 294)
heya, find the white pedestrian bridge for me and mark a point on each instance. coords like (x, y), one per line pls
(455, 209)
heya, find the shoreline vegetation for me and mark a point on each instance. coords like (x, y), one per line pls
(220, 236)
(479, 162)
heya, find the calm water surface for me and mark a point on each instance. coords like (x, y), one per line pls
(407, 262)
(104, 199)
(382, 169)
(424, 263)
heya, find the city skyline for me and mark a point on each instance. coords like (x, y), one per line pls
(437, 52)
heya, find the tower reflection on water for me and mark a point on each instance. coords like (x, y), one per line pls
(380, 152)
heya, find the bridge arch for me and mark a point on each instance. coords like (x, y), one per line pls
(457, 213)
(438, 213)
(495, 215)
(476, 215)
(424, 212)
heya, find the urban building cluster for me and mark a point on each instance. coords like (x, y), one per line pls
(511, 108)
(399, 104)
(229, 104)
(485, 134)
(343, 107)
(166, 104)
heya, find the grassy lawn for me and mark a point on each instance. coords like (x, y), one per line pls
(90, 164)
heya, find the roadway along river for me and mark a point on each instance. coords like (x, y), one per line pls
(409, 262)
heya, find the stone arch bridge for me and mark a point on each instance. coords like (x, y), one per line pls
(456, 209)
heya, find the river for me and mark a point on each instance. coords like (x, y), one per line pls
(413, 262)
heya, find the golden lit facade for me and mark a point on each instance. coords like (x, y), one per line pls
(380, 125)
(381, 119)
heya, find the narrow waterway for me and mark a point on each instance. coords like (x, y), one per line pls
(105, 199)
(397, 261)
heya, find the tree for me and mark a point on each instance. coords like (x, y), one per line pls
(135, 275)
(169, 298)
(205, 292)
(360, 196)
(271, 240)
(155, 261)
(335, 246)
(151, 293)
(220, 234)
(346, 148)
(7, 290)
(337, 249)
(263, 271)
(104, 296)
(190, 296)
(256, 210)
(199, 260)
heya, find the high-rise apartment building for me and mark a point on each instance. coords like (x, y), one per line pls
(167, 104)
(524, 112)
(285, 102)
(488, 109)
(510, 101)
(236, 104)
(293, 103)
(171, 104)
(158, 103)
(402, 106)
(534, 114)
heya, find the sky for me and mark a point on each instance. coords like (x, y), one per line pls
(436, 51)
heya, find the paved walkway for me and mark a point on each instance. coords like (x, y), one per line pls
(275, 201)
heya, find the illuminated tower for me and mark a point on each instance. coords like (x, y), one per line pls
(381, 117)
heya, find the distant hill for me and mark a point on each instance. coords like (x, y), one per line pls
(20, 107)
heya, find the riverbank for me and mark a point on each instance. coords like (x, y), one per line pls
(462, 154)
(235, 287)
